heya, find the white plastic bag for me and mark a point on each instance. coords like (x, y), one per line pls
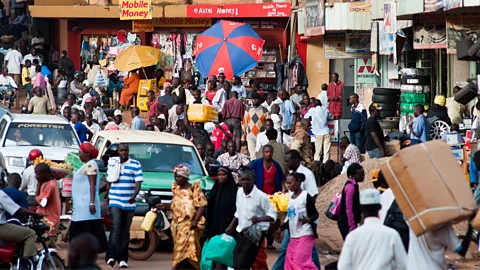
(113, 169)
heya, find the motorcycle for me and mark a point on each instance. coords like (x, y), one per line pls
(142, 244)
(46, 258)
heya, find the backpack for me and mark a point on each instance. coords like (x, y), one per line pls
(396, 221)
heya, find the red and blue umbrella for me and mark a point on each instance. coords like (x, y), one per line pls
(229, 47)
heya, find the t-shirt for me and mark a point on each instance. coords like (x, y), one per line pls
(372, 126)
(218, 135)
(39, 105)
(81, 130)
(297, 208)
(269, 180)
(428, 250)
(14, 59)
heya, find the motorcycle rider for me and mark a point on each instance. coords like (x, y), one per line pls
(11, 233)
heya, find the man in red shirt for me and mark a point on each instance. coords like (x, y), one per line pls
(233, 112)
(334, 94)
(152, 105)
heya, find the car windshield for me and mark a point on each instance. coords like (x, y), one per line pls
(157, 157)
(31, 134)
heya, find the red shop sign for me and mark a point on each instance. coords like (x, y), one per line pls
(270, 10)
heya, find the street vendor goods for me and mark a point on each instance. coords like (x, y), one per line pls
(429, 186)
(52, 164)
(202, 113)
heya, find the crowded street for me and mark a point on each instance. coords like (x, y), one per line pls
(235, 135)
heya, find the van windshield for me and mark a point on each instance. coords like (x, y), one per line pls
(54, 135)
(157, 157)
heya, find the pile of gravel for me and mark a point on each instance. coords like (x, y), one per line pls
(326, 192)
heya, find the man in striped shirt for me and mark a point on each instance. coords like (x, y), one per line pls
(121, 203)
(253, 122)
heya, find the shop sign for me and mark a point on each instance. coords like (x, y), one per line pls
(357, 42)
(360, 5)
(182, 22)
(390, 17)
(239, 10)
(135, 9)
(364, 72)
(430, 32)
(335, 48)
(387, 41)
(263, 24)
(459, 27)
(314, 18)
(142, 26)
(451, 4)
(433, 5)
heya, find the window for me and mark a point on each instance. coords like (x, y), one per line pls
(31, 134)
(157, 157)
(99, 143)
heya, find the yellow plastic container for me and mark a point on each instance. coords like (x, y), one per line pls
(273, 202)
(143, 87)
(282, 201)
(149, 220)
(202, 113)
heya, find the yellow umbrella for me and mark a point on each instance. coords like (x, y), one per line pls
(135, 57)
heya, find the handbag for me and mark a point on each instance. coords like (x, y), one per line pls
(113, 169)
(333, 210)
(161, 223)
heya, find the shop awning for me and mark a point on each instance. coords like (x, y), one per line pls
(67, 12)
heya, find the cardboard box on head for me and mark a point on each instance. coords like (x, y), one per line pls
(429, 186)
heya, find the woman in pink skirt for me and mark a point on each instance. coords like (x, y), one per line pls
(301, 217)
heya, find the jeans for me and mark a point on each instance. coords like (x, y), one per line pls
(279, 264)
(358, 139)
(120, 234)
(375, 153)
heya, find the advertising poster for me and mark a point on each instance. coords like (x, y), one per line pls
(357, 42)
(335, 48)
(459, 27)
(430, 32)
(451, 4)
(135, 9)
(433, 5)
(314, 18)
(365, 72)
(387, 41)
(390, 17)
(360, 5)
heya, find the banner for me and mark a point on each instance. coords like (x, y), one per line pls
(182, 22)
(459, 27)
(390, 17)
(433, 5)
(357, 42)
(360, 5)
(135, 9)
(429, 32)
(335, 48)
(387, 41)
(142, 26)
(314, 18)
(239, 10)
(451, 4)
(365, 73)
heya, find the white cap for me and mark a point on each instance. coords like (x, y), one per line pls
(86, 83)
(162, 116)
(369, 196)
(117, 112)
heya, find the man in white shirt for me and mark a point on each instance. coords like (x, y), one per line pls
(7, 83)
(31, 56)
(92, 126)
(372, 245)
(238, 87)
(13, 60)
(262, 139)
(294, 163)
(254, 214)
(427, 251)
(38, 41)
(321, 130)
(6, 80)
(219, 99)
(323, 96)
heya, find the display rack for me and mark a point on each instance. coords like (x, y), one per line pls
(265, 72)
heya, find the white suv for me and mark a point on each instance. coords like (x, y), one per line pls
(20, 133)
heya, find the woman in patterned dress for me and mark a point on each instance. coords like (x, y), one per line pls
(187, 207)
(86, 216)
